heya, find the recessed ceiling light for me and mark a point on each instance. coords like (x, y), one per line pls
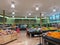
(42, 14)
(54, 10)
(29, 13)
(13, 16)
(13, 5)
(37, 8)
(13, 12)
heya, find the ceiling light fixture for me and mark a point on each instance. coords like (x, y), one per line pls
(37, 8)
(25, 16)
(13, 16)
(13, 5)
(13, 12)
(1, 16)
(42, 14)
(6, 17)
(54, 10)
(29, 14)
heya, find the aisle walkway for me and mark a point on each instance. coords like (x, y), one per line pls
(24, 40)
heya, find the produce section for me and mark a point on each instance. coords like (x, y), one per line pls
(51, 38)
(29, 22)
(7, 36)
(49, 28)
(54, 34)
(51, 41)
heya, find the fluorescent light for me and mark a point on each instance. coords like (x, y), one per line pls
(13, 16)
(54, 10)
(29, 13)
(13, 12)
(37, 8)
(6, 17)
(25, 16)
(13, 5)
(1, 16)
(42, 14)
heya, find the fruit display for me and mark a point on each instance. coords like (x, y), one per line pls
(49, 28)
(54, 34)
(7, 36)
(52, 28)
(44, 28)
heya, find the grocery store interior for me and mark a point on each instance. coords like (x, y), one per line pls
(29, 22)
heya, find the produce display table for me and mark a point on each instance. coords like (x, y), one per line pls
(41, 37)
(33, 32)
(36, 32)
(44, 31)
(51, 41)
(7, 36)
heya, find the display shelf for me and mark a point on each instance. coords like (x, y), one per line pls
(48, 31)
(51, 40)
(7, 36)
(42, 36)
(33, 32)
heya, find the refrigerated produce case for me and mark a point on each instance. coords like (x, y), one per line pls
(51, 41)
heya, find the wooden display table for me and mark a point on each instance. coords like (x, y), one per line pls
(7, 38)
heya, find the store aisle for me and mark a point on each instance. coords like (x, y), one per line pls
(24, 40)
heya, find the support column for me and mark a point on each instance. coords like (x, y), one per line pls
(40, 34)
(3, 17)
(40, 20)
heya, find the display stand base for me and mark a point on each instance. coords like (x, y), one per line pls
(40, 44)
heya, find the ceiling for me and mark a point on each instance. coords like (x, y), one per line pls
(22, 7)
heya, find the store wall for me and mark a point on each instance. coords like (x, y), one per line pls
(54, 18)
(25, 21)
(1, 20)
(38, 20)
(28, 21)
(10, 21)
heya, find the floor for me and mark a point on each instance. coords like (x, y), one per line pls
(24, 40)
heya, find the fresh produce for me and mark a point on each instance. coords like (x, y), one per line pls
(45, 28)
(49, 28)
(7, 36)
(54, 34)
(52, 28)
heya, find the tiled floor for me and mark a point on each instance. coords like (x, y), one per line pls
(24, 40)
